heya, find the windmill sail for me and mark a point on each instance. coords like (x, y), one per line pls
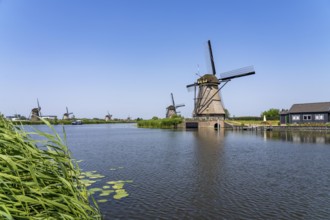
(39, 109)
(245, 71)
(173, 103)
(211, 58)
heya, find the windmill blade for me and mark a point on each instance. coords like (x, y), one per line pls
(211, 57)
(173, 103)
(67, 110)
(180, 105)
(191, 85)
(245, 71)
(191, 88)
(39, 108)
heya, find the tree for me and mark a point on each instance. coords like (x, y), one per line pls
(227, 113)
(272, 114)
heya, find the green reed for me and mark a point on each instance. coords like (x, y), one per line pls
(40, 182)
(160, 123)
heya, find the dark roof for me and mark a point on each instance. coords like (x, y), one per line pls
(310, 107)
(208, 78)
(171, 107)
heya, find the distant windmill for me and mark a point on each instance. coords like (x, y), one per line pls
(35, 112)
(108, 117)
(171, 110)
(66, 115)
(208, 102)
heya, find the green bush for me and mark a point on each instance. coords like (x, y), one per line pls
(160, 123)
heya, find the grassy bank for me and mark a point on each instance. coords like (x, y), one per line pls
(252, 122)
(160, 123)
(40, 182)
(272, 123)
(69, 122)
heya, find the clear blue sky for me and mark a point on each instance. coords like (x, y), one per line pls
(127, 56)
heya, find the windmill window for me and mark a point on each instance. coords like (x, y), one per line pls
(319, 117)
(295, 117)
(307, 117)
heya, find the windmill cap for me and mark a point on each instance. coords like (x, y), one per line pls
(208, 78)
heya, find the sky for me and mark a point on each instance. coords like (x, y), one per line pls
(128, 56)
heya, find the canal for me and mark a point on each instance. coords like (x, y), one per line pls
(206, 174)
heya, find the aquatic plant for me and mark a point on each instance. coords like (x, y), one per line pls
(113, 188)
(39, 179)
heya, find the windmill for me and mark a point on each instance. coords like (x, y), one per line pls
(171, 110)
(66, 115)
(108, 117)
(36, 112)
(208, 102)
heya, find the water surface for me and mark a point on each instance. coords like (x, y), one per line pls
(207, 174)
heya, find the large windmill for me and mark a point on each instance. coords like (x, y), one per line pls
(108, 117)
(36, 112)
(208, 103)
(171, 110)
(66, 115)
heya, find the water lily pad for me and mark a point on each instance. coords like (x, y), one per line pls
(118, 186)
(93, 190)
(106, 192)
(111, 182)
(96, 176)
(120, 193)
(87, 182)
(92, 175)
(102, 200)
(106, 187)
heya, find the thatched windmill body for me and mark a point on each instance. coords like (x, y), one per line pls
(35, 112)
(172, 109)
(208, 103)
(108, 117)
(66, 115)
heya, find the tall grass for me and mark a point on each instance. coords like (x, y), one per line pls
(40, 182)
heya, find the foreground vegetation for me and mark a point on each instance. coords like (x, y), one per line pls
(155, 122)
(40, 182)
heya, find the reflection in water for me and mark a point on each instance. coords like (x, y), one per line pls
(208, 150)
(298, 136)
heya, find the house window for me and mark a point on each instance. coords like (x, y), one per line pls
(307, 117)
(295, 117)
(319, 117)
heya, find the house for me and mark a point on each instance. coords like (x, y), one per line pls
(306, 113)
(16, 117)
